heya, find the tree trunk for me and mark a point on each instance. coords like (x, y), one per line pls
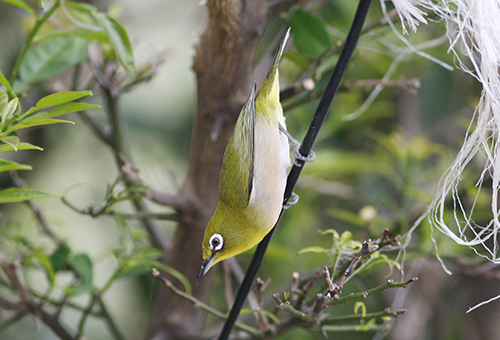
(223, 65)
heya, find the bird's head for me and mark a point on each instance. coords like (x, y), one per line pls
(226, 235)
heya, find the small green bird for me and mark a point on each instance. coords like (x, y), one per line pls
(253, 176)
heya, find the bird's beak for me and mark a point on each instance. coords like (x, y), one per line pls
(205, 266)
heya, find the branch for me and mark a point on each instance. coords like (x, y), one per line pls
(294, 312)
(335, 288)
(201, 305)
(42, 222)
(381, 288)
(278, 6)
(305, 148)
(101, 133)
(361, 317)
(356, 328)
(30, 304)
(117, 334)
(131, 175)
(306, 84)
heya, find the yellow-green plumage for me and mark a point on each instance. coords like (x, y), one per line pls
(253, 175)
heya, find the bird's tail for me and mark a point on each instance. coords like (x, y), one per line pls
(270, 85)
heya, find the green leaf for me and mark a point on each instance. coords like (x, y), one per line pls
(297, 59)
(5, 82)
(20, 146)
(261, 311)
(70, 107)
(309, 33)
(358, 305)
(11, 140)
(46, 264)
(119, 41)
(60, 98)
(313, 250)
(49, 59)
(59, 257)
(80, 288)
(12, 195)
(150, 253)
(135, 266)
(336, 235)
(9, 166)
(23, 5)
(79, 32)
(346, 236)
(82, 6)
(37, 122)
(6, 111)
(82, 265)
(4, 99)
(45, 3)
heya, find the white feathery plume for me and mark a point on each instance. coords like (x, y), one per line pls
(474, 35)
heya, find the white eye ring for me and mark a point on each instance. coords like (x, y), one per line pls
(216, 242)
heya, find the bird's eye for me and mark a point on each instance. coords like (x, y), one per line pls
(216, 242)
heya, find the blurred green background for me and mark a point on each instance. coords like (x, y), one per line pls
(375, 171)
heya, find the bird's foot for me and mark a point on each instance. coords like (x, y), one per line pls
(298, 156)
(291, 201)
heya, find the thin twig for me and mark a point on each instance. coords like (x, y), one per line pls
(28, 303)
(203, 306)
(291, 310)
(42, 221)
(103, 135)
(85, 315)
(305, 82)
(117, 334)
(332, 320)
(304, 150)
(335, 288)
(389, 284)
(278, 6)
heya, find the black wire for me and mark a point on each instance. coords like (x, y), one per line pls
(305, 148)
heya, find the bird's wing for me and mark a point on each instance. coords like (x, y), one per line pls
(237, 173)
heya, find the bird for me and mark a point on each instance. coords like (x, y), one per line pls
(253, 175)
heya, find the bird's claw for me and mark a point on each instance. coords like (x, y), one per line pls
(291, 201)
(297, 155)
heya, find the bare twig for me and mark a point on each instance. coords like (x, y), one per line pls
(85, 314)
(260, 287)
(28, 303)
(118, 144)
(101, 133)
(117, 334)
(228, 291)
(305, 82)
(291, 310)
(278, 6)
(203, 306)
(131, 175)
(381, 288)
(41, 220)
(361, 317)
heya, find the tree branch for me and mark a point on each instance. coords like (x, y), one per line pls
(203, 306)
(278, 6)
(30, 304)
(381, 288)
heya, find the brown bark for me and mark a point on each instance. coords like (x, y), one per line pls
(223, 65)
